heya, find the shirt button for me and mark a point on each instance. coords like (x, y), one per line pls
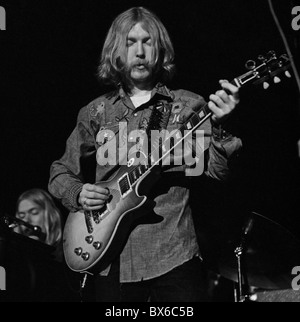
(135, 114)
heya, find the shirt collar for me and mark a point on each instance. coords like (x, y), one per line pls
(159, 89)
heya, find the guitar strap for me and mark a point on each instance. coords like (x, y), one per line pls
(159, 117)
(158, 122)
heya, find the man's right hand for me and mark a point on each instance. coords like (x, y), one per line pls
(93, 197)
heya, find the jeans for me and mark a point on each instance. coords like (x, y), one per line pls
(185, 283)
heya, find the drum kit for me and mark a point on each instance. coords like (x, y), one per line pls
(252, 251)
(258, 254)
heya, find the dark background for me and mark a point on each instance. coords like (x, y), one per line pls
(48, 72)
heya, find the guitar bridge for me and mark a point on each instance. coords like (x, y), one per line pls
(99, 215)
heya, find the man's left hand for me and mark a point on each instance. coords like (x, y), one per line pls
(224, 101)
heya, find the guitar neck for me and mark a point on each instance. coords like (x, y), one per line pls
(193, 122)
(267, 69)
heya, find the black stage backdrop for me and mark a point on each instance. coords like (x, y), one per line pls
(50, 53)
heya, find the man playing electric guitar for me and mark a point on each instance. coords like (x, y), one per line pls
(159, 261)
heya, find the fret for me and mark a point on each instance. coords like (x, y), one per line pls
(201, 115)
(194, 119)
(142, 168)
(206, 110)
(188, 125)
(136, 173)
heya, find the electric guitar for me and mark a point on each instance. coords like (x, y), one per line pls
(93, 239)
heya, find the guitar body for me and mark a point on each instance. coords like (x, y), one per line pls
(92, 239)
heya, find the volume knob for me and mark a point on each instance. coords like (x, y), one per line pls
(97, 245)
(78, 251)
(89, 239)
(85, 256)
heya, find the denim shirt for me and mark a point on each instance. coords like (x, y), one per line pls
(151, 249)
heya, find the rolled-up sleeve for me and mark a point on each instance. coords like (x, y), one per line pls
(66, 177)
(223, 150)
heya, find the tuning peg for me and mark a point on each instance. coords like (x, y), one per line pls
(277, 80)
(262, 58)
(250, 64)
(271, 54)
(266, 85)
(288, 74)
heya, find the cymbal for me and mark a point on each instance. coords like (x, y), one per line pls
(270, 253)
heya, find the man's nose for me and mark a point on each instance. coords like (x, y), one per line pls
(140, 50)
(26, 218)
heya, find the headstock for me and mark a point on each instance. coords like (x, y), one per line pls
(265, 70)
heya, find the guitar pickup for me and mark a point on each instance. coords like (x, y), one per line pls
(88, 222)
(124, 185)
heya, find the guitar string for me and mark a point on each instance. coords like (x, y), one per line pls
(236, 81)
(207, 112)
(179, 130)
(116, 192)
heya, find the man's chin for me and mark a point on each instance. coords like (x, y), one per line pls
(140, 74)
(142, 81)
(34, 237)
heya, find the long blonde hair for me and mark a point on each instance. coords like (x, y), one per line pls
(114, 53)
(52, 219)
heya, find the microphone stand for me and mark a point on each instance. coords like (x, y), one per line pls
(242, 293)
(12, 222)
